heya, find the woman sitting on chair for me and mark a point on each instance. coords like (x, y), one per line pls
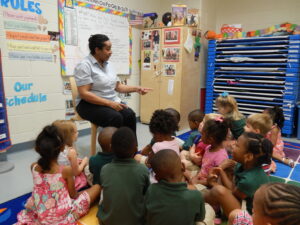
(98, 85)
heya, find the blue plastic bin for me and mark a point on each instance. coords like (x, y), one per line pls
(298, 125)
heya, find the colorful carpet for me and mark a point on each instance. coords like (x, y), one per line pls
(284, 173)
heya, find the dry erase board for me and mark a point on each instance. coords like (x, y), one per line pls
(80, 20)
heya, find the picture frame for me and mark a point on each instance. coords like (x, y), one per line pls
(147, 44)
(171, 54)
(172, 36)
(179, 14)
(169, 69)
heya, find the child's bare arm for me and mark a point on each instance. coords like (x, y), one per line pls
(67, 174)
(146, 150)
(274, 135)
(76, 167)
(218, 172)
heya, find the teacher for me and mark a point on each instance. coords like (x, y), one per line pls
(98, 86)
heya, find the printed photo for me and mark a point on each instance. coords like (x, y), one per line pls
(179, 15)
(192, 17)
(171, 54)
(147, 57)
(70, 111)
(54, 36)
(146, 35)
(172, 36)
(155, 37)
(170, 69)
(156, 56)
(67, 88)
(147, 44)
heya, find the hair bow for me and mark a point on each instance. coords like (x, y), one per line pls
(224, 94)
(220, 119)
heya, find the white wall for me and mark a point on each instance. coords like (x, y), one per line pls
(25, 121)
(257, 14)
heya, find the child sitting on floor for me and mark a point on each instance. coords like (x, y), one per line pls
(97, 161)
(124, 183)
(176, 116)
(68, 157)
(273, 204)
(162, 126)
(250, 152)
(227, 106)
(274, 136)
(170, 201)
(214, 133)
(54, 199)
(260, 123)
(192, 159)
(194, 118)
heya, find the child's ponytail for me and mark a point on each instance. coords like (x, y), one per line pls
(276, 114)
(216, 128)
(260, 147)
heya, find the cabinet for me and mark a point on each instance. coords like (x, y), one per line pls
(172, 72)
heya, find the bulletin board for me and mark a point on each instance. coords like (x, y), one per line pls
(79, 20)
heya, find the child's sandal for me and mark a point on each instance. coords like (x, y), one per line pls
(288, 161)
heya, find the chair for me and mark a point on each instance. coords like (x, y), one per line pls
(78, 118)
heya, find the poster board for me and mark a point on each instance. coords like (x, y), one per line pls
(79, 20)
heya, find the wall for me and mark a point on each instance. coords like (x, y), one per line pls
(26, 120)
(257, 14)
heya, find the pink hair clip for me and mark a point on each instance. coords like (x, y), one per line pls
(220, 119)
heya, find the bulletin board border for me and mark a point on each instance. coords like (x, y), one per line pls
(6, 143)
(61, 5)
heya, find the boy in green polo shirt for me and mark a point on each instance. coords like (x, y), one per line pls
(124, 183)
(170, 201)
(97, 161)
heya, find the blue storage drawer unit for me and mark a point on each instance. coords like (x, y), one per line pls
(259, 72)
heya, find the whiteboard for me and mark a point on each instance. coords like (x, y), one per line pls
(82, 22)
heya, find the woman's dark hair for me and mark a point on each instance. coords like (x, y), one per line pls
(163, 122)
(123, 143)
(97, 41)
(276, 114)
(216, 129)
(281, 203)
(260, 147)
(48, 144)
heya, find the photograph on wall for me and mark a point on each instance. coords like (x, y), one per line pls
(172, 36)
(147, 57)
(147, 44)
(170, 69)
(179, 13)
(125, 95)
(146, 35)
(171, 54)
(54, 36)
(70, 112)
(192, 18)
(155, 37)
(67, 87)
(69, 3)
(147, 60)
(155, 56)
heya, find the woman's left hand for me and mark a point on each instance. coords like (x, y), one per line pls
(143, 90)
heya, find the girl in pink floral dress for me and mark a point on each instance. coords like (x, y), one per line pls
(54, 199)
